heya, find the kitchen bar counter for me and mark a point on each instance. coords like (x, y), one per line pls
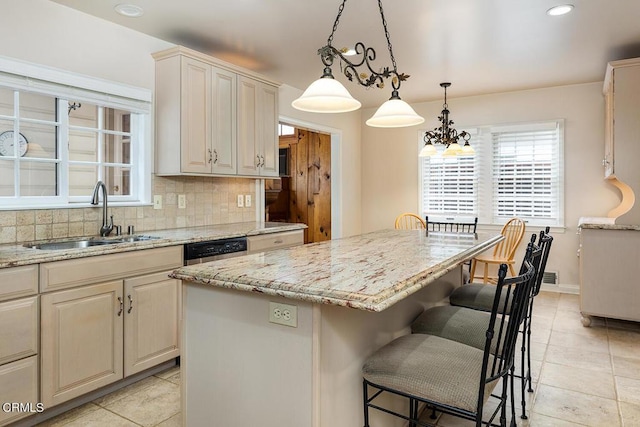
(240, 367)
(22, 254)
(368, 272)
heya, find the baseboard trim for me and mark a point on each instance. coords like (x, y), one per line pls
(561, 288)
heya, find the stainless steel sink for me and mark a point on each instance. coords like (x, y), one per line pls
(87, 243)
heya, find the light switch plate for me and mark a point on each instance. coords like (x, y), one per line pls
(182, 201)
(157, 202)
(247, 200)
(240, 201)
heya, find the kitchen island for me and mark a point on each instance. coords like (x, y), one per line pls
(240, 369)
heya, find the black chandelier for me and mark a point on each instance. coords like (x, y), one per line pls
(446, 135)
(327, 95)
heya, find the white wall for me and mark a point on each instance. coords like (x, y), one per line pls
(47, 33)
(390, 165)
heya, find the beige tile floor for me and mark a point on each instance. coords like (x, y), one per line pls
(582, 377)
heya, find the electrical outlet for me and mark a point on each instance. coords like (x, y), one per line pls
(240, 201)
(283, 314)
(247, 200)
(182, 201)
(157, 202)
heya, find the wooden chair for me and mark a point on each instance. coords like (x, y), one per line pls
(409, 221)
(448, 375)
(452, 225)
(503, 252)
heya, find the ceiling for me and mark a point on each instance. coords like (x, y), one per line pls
(481, 46)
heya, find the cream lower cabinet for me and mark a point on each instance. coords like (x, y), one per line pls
(107, 317)
(271, 241)
(19, 326)
(151, 324)
(98, 334)
(81, 340)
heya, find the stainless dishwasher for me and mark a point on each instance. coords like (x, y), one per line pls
(211, 250)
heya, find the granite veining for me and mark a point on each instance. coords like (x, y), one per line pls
(22, 254)
(368, 272)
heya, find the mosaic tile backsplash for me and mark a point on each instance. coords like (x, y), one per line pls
(210, 201)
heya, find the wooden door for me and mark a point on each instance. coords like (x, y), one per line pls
(152, 321)
(195, 117)
(310, 197)
(81, 341)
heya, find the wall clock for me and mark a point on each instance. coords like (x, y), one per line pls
(6, 144)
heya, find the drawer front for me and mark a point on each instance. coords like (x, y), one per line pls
(83, 271)
(19, 384)
(266, 242)
(19, 331)
(16, 282)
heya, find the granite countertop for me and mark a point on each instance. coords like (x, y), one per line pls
(21, 254)
(610, 226)
(368, 272)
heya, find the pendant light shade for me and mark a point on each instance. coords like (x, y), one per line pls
(394, 113)
(326, 95)
(428, 150)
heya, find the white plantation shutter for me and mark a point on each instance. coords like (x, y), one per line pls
(449, 185)
(526, 164)
(516, 171)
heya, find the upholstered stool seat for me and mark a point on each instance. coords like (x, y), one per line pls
(459, 324)
(477, 296)
(430, 368)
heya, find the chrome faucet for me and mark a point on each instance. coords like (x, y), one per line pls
(106, 226)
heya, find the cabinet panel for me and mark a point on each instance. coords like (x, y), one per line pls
(248, 154)
(74, 272)
(152, 306)
(81, 341)
(223, 121)
(19, 331)
(194, 119)
(18, 282)
(19, 384)
(268, 115)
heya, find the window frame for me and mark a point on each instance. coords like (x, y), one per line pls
(69, 87)
(482, 142)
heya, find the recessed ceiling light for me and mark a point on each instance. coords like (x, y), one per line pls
(129, 10)
(560, 10)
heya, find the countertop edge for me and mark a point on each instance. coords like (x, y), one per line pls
(23, 256)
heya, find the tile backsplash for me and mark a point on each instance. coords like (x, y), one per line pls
(209, 201)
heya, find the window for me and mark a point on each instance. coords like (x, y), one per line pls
(57, 141)
(517, 171)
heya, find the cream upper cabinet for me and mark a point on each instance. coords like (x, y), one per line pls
(195, 117)
(257, 128)
(203, 118)
(622, 127)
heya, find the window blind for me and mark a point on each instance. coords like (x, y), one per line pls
(449, 185)
(526, 175)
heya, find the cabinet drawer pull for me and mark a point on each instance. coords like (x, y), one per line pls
(277, 242)
(258, 164)
(210, 155)
(130, 304)
(215, 159)
(121, 306)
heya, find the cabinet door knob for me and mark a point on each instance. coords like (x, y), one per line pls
(130, 303)
(121, 306)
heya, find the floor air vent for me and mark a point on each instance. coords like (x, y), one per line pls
(550, 277)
